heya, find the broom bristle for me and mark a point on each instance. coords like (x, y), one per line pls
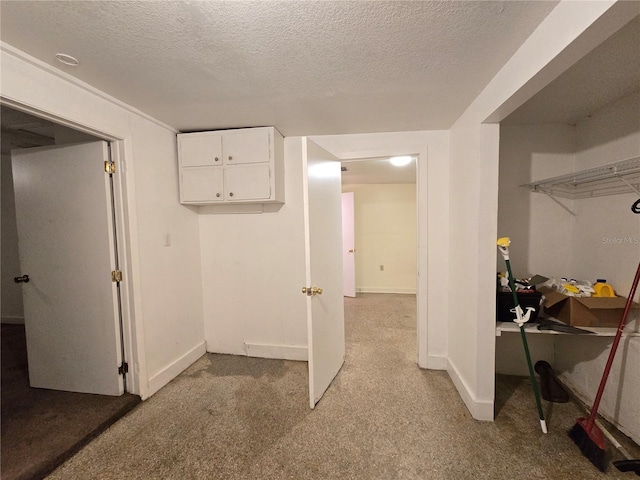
(589, 447)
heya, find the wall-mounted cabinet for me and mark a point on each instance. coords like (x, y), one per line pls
(231, 166)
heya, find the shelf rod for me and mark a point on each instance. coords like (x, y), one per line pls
(560, 203)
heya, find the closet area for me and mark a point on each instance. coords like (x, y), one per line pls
(569, 199)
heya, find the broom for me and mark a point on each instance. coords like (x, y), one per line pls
(521, 319)
(585, 433)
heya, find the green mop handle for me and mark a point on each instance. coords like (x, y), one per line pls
(503, 244)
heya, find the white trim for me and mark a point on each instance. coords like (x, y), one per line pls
(80, 84)
(283, 352)
(479, 409)
(407, 291)
(174, 369)
(12, 320)
(436, 362)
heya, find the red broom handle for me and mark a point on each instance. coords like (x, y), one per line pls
(614, 347)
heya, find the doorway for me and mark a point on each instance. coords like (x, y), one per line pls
(385, 232)
(70, 419)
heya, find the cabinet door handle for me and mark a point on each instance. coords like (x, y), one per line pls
(218, 195)
(230, 158)
(231, 194)
(216, 159)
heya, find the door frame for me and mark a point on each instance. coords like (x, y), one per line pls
(352, 235)
(422, 320)
(124, 214)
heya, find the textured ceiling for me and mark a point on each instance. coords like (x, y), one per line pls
(606, 74)
(307, 67)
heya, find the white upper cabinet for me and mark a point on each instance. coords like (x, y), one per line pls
(231, 166)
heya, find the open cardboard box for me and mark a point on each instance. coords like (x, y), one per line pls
(586, 311)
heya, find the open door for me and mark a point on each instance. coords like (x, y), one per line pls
(66, 244)
(348, 245)
(325, 302)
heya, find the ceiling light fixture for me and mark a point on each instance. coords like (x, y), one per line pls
(67, 59)
(400, 161)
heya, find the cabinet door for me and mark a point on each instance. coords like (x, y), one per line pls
(199, 149)
(250, 182)
(201, 184)
(247, 146)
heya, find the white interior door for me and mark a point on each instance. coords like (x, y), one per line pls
(65, 240)
(348, 245)
(325, 311)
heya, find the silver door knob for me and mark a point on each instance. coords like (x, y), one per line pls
(22, 279)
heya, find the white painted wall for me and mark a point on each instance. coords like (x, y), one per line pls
(385, 234)
(163, 292)
(253, 270)
(570, 31)
(11, 295)
(171, 289)
(529, 153)
(432, 149)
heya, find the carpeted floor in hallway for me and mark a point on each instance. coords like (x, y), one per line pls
(232, 417)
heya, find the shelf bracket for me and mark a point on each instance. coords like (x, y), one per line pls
(624, 180)
(560, 203)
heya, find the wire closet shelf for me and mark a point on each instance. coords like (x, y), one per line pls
(612, 179)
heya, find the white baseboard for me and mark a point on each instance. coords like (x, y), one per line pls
(13, 320)
(283, 352)
(479, 409)
(170, 372)
(437, 362)
(406, 291)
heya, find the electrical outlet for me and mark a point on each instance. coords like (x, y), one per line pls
(382, 268)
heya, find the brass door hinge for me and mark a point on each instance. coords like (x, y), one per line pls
(110, 167)
(116, 276)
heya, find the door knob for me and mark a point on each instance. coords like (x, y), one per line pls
(351, 250)
(22, 279)
(312, 291)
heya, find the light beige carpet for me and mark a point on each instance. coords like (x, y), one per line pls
(230, 417)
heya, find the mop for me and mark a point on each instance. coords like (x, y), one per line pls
(521, 319)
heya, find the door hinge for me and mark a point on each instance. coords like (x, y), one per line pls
(124, 368)
(110, 167)
(116, 276)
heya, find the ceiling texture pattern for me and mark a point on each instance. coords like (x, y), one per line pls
(306, 67)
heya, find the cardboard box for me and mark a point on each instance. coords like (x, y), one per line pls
(586, 311)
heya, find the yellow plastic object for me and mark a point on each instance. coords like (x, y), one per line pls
(504, 241)
(571, 288)
(603, 290)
